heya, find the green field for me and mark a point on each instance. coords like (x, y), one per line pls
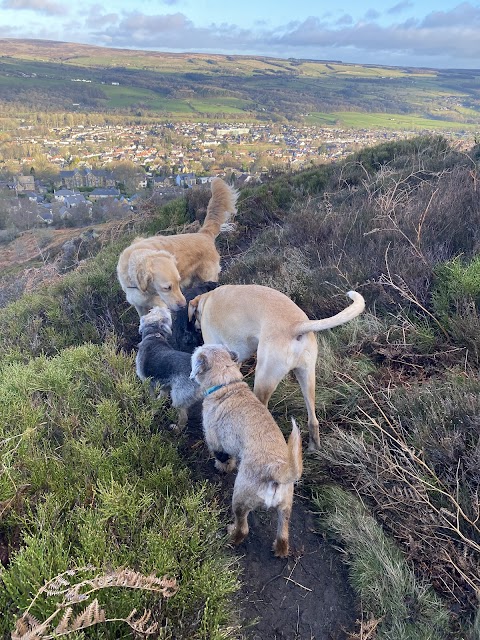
(122, 97)
(235, 87)
(395, 121)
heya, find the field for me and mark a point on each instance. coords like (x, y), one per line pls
(38, 75)
(395, 121)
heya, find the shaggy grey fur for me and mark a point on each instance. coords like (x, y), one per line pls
(166, 367)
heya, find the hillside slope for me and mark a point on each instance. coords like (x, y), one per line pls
(395, 484)
(38, 75)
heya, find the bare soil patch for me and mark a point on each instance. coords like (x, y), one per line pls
(306, 597)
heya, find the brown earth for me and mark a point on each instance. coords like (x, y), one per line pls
(305, 597)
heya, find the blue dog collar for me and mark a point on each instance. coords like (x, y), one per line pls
(212, 389)
(219, 386)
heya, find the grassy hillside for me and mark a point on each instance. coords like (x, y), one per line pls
(87, 458)
(38, 75)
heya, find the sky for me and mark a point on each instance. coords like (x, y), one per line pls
(440, 34)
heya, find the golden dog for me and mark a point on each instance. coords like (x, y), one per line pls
(151, 271)
(251, 318)
(238, 427)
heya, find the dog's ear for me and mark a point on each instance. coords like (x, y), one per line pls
(233, 355)
(166, 327)
(144, 276)
(199, 364)
(192, 308)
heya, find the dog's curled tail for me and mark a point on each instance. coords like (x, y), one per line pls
(352, 311)
(292, 469)
(295, 451)
(220, 208)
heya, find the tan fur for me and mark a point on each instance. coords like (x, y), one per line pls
(236, 423)
(152, 271)
(251, 319)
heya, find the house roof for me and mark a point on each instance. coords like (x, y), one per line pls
(105, 191)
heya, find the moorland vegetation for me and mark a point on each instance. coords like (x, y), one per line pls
(94, 483)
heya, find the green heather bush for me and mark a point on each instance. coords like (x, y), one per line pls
(174, 213)
(86, 305)
(428, 150)
(456, 302)
(91, 476)
(263, 205)
(8, 235)
(312, 181)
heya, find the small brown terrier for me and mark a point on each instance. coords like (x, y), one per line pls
(239, 428)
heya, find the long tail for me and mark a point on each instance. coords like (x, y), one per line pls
(352, 311)
(220, 208)
(292, 470)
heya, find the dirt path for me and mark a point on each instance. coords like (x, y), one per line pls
(303, 598)
(306, 597)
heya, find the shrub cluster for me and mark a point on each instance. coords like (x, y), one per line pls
(91, 478)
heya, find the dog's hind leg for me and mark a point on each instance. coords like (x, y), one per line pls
(223, 461)
(306, 380)
(280, 545)
(268, 374)
(209, 272)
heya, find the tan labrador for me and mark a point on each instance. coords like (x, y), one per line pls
(152, 271)
(239, 428)
(251, 318)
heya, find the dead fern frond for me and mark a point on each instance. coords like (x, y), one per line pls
(92, 614)
(64, 622)
(28, 627)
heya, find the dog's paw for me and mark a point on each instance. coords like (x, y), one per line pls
(226, 467)
(237, 536)
(280, 548)
(176, 428)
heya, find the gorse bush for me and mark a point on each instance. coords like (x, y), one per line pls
(91, 478)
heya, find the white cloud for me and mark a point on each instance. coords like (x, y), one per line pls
(462, 15)
(47, 7)
(400, 7)
(441, 38)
